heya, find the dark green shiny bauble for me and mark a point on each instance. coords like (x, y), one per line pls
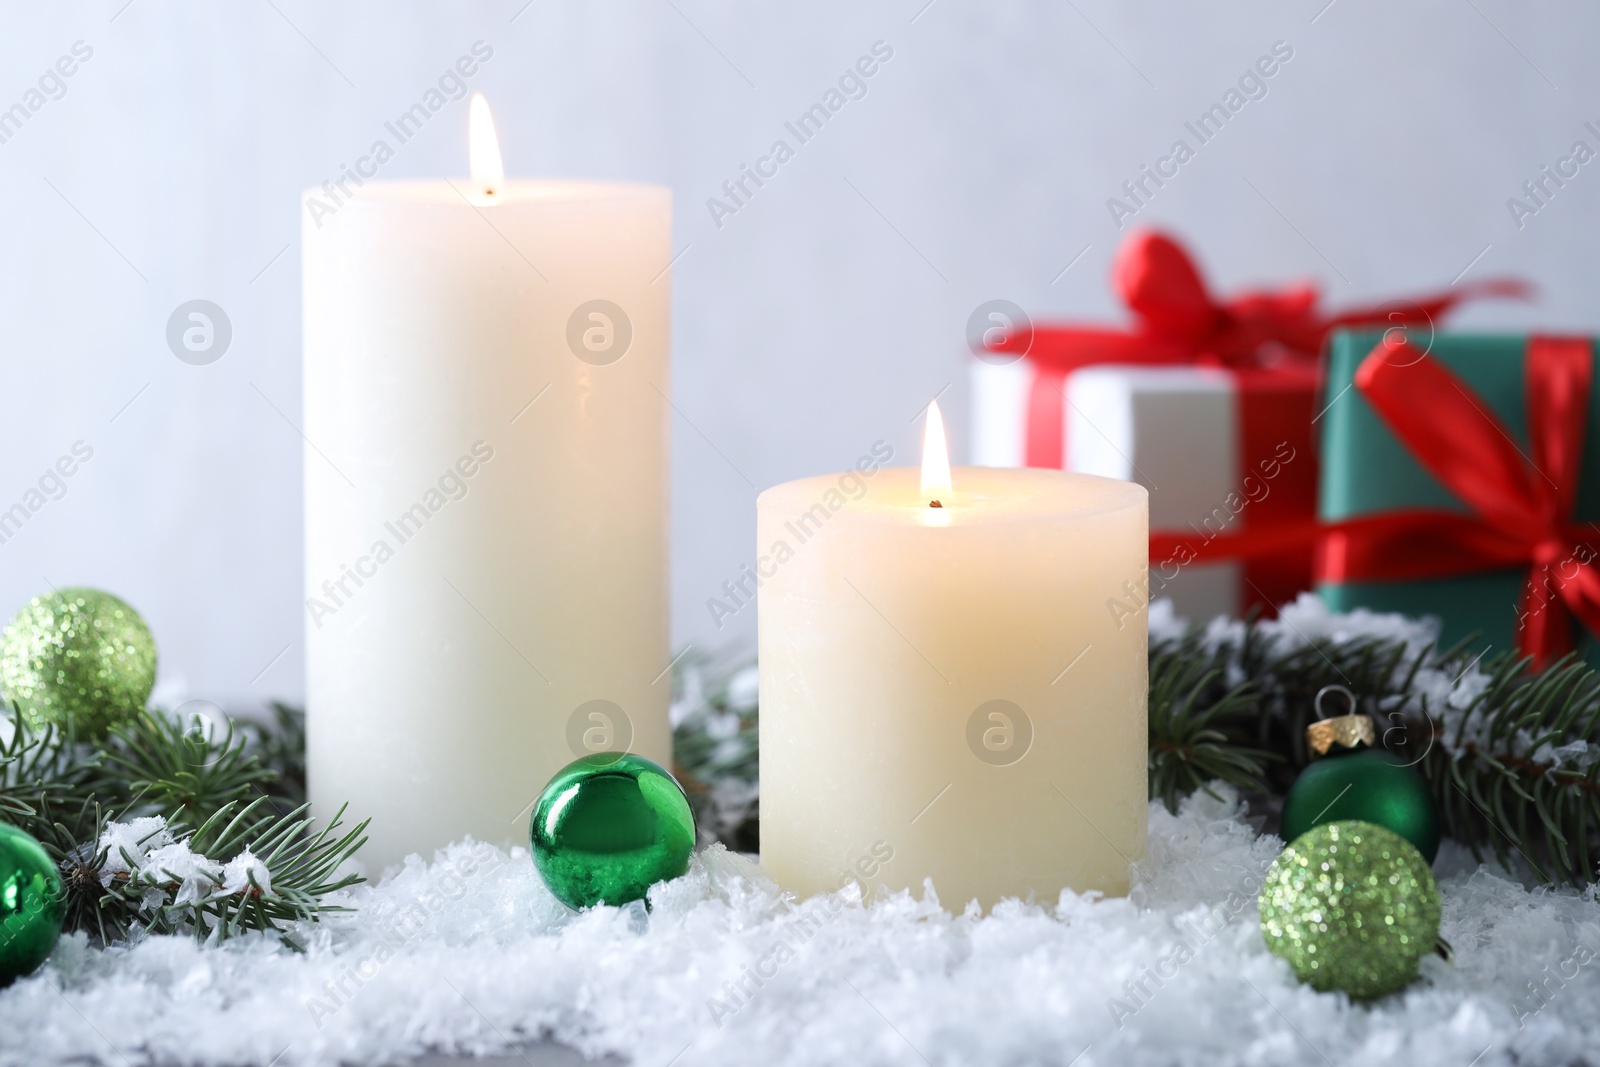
(608, 827)
(77, 657)
(32, 905)
(1368, 784)
(1351, 906)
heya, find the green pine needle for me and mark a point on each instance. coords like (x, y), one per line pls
(301, 864)
(179, 767)
(221, 791)
(1194, 721)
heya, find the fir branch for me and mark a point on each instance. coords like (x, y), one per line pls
(300, 867)
(73, 844)
(281, 745)
(235, 794)
(1518, 776)
(714, 746)
(1514, 767)
(41, 769)
(1193, 723)
(184, 769)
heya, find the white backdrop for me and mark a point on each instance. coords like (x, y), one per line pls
(813, 321)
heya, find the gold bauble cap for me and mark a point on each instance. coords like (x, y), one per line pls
(1350, 729)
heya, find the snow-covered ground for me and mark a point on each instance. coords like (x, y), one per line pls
(470, 954)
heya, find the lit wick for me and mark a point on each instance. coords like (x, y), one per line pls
(483, 148)
(935, 459)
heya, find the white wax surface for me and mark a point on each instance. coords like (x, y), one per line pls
(441, 689)
(884, 629)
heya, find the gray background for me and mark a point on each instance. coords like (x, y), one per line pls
(818, 319)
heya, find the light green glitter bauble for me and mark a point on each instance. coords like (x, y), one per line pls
(77, 657)
(1351, 906)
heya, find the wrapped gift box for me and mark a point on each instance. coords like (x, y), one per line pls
(1368, 472)
(1207, 401)
(1218, 449)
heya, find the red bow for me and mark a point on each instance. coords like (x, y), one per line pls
(1521, 506)
(1179, 321)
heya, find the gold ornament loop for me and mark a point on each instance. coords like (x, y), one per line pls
(1351, 729)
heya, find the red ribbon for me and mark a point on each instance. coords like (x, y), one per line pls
(1179, 322)
(1521, 506)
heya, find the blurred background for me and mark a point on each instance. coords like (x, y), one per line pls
(813, 321)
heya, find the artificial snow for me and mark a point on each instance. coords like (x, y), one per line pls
(146, 852)
(126, 844)
(470, 954)
(244, 872)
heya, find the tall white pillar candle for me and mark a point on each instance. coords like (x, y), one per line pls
(954, 693)
(486, 370)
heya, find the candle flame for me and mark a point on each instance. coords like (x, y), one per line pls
(483, 147)
(935, 459)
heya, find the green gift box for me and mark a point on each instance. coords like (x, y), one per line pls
(1368, 470)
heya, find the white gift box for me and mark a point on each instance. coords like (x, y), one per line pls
(1174, 430)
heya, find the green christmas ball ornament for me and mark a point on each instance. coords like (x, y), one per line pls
(1351, 779)
(32, 905)
(608, 827)
(77, 657)
(1351, 906)
(1370, 786)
